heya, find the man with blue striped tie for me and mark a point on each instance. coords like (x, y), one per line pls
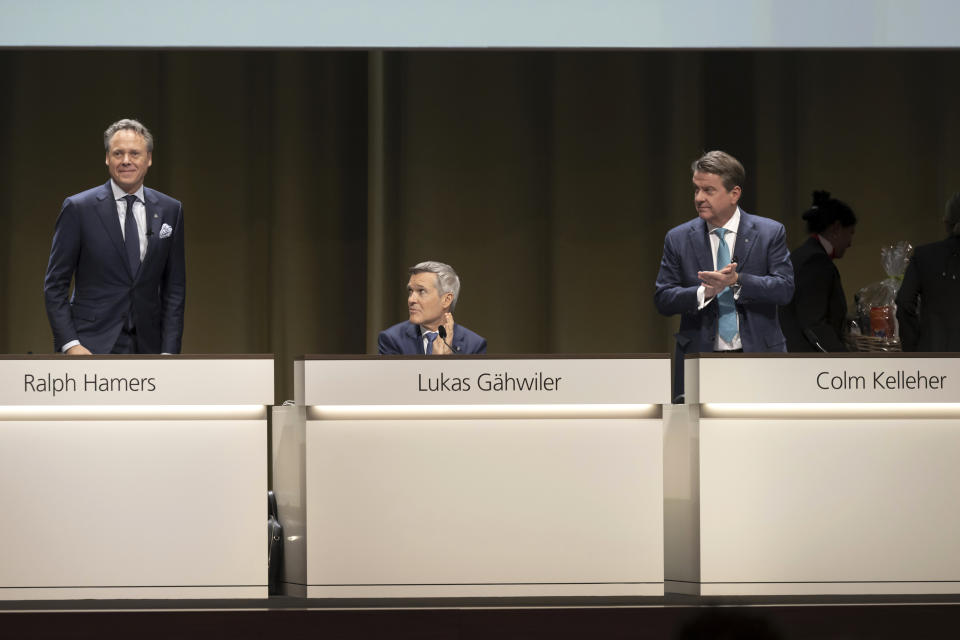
(725, 272)
(432, 294)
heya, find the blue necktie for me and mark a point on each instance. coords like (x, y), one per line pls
(728, 308)
(431, 336)
(131, 236)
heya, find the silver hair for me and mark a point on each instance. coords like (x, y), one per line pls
(132, 125)
(951, 215)
(447, 279)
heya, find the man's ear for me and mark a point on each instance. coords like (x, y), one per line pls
(447, 300)
(735, 193)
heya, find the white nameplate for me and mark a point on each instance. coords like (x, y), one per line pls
(826, 380)
(445, 381)
(62, 380)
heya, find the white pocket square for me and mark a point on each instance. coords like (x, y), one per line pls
(165, 231)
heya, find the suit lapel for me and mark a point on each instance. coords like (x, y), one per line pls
(701, 246)
(412, 332)
(458, 338)
(107, 212)
(154, 222)
(746, 239)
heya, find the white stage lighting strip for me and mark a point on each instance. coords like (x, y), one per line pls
(133, 412)
(809, 410)
(491, 412)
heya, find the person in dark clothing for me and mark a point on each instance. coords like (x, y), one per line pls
(928, 304)
(814, 318)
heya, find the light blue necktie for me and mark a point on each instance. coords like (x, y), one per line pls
(728, 308)
(431, 336)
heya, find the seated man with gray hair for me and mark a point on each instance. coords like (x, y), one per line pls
(432, 294)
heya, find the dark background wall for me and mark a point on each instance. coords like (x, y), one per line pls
(548, 179)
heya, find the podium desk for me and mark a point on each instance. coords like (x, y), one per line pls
(815, 474)
(133, 476)
(469, 476)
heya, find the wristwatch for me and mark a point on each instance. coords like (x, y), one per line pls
(735, 287)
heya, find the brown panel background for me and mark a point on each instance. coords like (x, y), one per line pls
(548, 179)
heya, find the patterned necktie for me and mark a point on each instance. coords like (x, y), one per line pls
(431, 336)
(131, 236)
(728, 308)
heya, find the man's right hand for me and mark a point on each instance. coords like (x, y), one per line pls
(440, 347)
(716, 281)
(78, 350)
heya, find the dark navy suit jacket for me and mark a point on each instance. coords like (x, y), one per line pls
(928, 304)
(88, 246)
(405, 338)
(766, 279)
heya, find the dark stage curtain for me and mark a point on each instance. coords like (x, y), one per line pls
(548, 179)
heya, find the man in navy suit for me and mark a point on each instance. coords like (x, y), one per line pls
(928, 303)
(725, 272)
(122, 244)
(432, 294)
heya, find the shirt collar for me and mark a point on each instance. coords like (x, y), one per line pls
(826, 244)
(119, 194)
(732, 225)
